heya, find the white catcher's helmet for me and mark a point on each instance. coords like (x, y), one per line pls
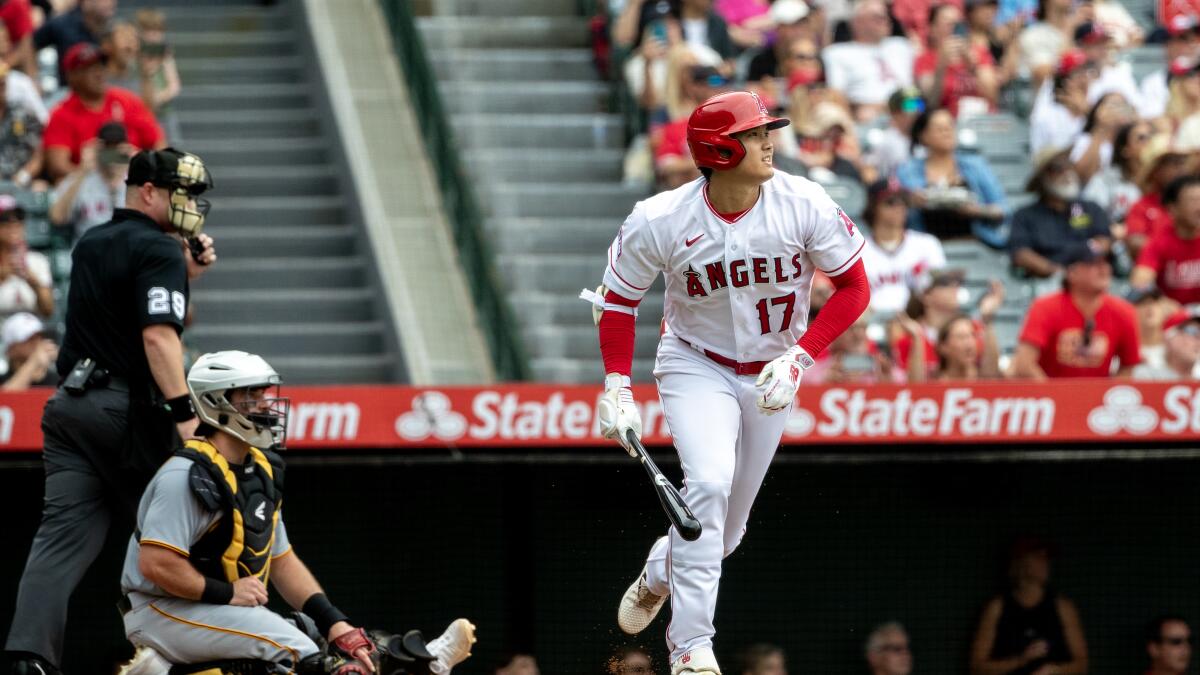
(215, 375)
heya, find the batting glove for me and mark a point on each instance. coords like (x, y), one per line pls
(617, 411)
(779, 380)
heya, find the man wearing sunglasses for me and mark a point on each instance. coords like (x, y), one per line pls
(122, 403)
(1181, 338)
(1169, 645)
(1080, 330)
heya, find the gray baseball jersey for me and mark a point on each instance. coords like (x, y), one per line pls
(170, 516)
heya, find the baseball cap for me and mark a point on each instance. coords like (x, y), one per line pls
(906, 99)
(784, 12)
(112, 133)
(20, 327)
(1081, 255)
(1090, 33)
(1137, 294)
(884, 188)
(709, 75)
(1042, 161)
(82, 55)
(1071, 61)
(1180, 25)
(10, 206)
(161, 168)
(1182, 316)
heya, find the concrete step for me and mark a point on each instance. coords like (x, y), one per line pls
(252, 305)
(563, 274)
(297, 180)
(576, 342)
(238, 97)
(567, 199)
(582, 370)
(261, 152)
(272, 210)
(581, 131)
(505, 8)
(203, 124)
(218, 44)
(514, 31)
(547, 166)
(267, 242)
(337, 368)
(540, 308)
(463, 96)
(293, 339)
(201, 18)
(241, 70)
(515, 65)
(297, 273)
(553, 235)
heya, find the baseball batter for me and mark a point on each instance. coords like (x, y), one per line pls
(738, 249)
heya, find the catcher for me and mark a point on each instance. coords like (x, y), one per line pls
(209, 535)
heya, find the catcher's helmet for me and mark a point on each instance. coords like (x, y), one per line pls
(215, 375)
(712, 125)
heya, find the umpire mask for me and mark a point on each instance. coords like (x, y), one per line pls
(259, 417)
(185, 178)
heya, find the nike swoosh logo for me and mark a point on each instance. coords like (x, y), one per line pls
(689, 242)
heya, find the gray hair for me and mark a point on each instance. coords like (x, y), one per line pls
(876, 638)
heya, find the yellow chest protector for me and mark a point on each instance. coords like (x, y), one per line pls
(248, 498)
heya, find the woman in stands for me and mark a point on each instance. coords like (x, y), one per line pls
(955, 194)
(959, 356)
(1115, 188)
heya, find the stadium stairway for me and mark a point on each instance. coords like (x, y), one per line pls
(533, 125)
(293, 282)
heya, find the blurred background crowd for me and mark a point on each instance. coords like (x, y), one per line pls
(1026, 169)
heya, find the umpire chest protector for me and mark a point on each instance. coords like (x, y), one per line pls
(248, 498)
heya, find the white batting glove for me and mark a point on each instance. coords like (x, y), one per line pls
(617, 411)
(779, 380)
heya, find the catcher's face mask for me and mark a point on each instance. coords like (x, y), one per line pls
(265, 410)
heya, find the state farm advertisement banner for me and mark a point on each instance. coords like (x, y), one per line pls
(541, 415)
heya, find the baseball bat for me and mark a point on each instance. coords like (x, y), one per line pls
(672, 502)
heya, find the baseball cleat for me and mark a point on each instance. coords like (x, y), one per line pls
(638, 606)
(699, 661)
(453, 646)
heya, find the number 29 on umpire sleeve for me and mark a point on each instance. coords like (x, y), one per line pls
(162, 301)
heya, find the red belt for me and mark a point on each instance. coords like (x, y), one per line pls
(739, 368)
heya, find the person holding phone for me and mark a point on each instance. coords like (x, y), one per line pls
(159, 75)
(954, 71)
(87, 196)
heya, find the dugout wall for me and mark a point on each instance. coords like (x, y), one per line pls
(537, 552)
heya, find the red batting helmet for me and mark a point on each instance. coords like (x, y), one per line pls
(712, 125)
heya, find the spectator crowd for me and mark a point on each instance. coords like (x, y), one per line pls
(81, 91)
(891, 103)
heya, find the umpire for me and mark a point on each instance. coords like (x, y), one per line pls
(122, 402)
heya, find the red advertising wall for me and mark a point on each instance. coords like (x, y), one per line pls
(533, 415)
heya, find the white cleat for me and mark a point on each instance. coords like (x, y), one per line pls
(700, 661)
(452, 647)
(145, 661)
(638, 606)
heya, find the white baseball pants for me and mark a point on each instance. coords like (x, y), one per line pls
(725, 444)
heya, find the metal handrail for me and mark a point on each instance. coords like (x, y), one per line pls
(458, 198)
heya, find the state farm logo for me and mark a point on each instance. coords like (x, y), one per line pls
(324, 421)
(431, 416)
(1122, 411)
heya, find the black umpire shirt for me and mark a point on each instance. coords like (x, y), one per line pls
(125, 275)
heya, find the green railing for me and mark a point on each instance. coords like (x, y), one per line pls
(466, 221)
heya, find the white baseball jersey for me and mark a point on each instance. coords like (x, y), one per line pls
(739, 289)
(893, 274)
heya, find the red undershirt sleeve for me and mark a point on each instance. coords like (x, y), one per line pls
(617, 334)
(851, 295)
